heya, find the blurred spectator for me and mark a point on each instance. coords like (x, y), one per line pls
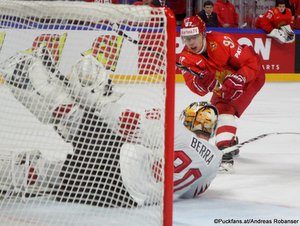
(295, 4)
(179, 9)
(275, 17)
(155, 3)
(227, 14)
(209, 17)
(276, 23)
(287, 4)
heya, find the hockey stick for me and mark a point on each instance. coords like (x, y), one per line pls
(236, 147)
(116, 28)
(48, 62)
(180, 66)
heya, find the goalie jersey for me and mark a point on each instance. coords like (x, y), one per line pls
(196, 163)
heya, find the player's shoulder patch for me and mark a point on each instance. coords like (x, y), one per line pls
(212, 40)
(212, 45)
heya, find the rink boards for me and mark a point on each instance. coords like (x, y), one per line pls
(274, 77)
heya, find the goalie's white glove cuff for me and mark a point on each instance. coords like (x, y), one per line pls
(289, 33)
(276, 33)
(287, 29)
(282, 35)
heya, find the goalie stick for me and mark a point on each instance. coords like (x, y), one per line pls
(116, 28)
(236, 147)
(48, 62)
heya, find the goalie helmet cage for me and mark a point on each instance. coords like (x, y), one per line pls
(63, 161)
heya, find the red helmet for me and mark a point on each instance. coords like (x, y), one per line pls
(192, 25)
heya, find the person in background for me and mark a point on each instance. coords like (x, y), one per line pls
(208, 16)
(276, 22)
(295, 7)
(227, 14)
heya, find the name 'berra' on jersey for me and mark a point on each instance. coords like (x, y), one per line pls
(202, 150)
(196, 163)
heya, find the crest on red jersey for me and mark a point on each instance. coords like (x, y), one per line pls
(212, 46)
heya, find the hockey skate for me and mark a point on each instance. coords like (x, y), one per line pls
(227, 162)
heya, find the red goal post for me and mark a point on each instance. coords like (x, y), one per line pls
(87, 113)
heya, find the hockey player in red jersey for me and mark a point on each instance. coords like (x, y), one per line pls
(215, 62)
(276, 22)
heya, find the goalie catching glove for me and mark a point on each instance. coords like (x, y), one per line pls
(232, 87)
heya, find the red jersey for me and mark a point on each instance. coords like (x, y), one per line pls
(226, 13)
(273, 18)
(224, 56)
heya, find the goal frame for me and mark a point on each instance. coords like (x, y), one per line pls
(169, 118)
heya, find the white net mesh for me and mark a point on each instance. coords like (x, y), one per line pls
(82, 95)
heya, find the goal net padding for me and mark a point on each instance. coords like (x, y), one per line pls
(87, 113)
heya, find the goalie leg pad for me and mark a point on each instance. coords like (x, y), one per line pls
(140, 173)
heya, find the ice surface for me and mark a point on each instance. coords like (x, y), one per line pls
(265, 185)
(266, 181)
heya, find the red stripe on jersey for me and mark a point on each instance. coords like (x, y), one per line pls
(226, 129)
(224, 144)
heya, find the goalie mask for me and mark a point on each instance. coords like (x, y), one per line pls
(89, 72)
(200, 117)
(91, 83)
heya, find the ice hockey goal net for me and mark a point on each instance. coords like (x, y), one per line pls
(86, 120)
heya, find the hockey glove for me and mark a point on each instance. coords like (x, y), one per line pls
(190, 66)
(205, 81)
(232, 87)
